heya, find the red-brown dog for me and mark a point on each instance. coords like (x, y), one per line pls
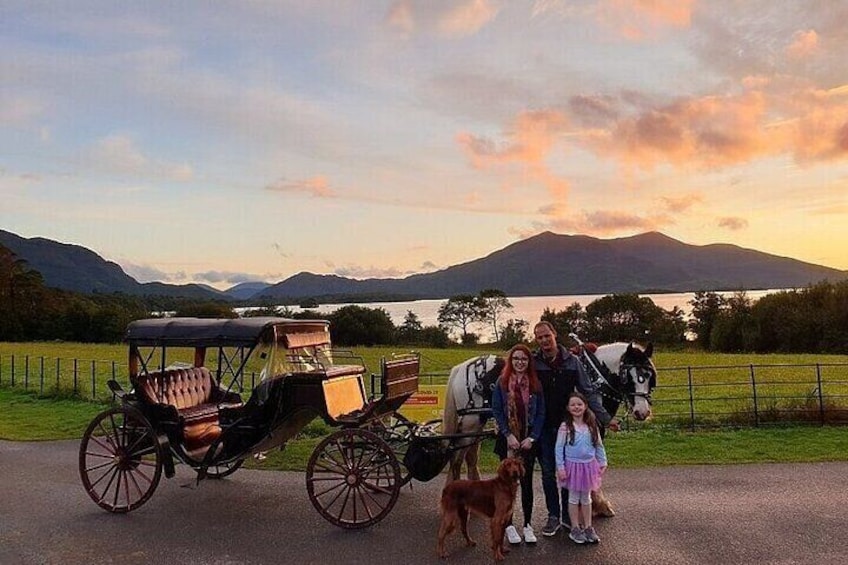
(492, 498)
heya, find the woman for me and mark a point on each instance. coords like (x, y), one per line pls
(519, 411)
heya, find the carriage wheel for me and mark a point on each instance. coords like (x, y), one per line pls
(353, 478)
(120, 460)
(224, 469)
(396, 430)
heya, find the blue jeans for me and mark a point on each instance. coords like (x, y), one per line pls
(556, 499)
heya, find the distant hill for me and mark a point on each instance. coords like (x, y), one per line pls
(246, 290)
(546, 264)
(76, 268)
(552, 264)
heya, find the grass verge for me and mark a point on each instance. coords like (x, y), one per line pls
(26, 417)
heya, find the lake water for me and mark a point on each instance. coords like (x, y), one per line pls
(528, 308)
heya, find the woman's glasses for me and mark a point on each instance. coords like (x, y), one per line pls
(520, 359)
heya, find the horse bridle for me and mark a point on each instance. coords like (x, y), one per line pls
(622, 392)
(643, 373)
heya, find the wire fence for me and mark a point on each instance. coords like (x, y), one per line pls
(687, 397)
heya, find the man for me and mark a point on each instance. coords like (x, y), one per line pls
(560, 373)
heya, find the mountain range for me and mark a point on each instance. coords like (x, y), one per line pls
(545, 264)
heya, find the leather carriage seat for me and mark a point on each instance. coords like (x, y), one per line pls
(195, 395)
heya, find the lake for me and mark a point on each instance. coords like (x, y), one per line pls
(528, 308)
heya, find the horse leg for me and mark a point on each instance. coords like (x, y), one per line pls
(455, 466)
(472, 457)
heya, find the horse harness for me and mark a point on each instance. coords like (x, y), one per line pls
(628, 375)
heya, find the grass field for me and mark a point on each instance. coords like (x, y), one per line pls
(696, 389)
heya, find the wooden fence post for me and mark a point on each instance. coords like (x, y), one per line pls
(691, 399)
(819, 387)
(754, 392)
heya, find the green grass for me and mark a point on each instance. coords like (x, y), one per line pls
(722, 394)
(26, 417)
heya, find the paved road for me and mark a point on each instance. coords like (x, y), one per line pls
(779, 513)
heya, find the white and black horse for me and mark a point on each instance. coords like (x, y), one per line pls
(623, 373)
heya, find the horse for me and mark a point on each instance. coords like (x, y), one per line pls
(622, 373)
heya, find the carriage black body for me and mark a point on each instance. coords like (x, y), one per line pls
(188, 404)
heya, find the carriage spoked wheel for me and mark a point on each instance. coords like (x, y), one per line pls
(396, 430)
(120, 460)
(353, 478)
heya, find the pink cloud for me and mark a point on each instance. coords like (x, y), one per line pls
(315, 186)
(641, 19)
(467, 18)
(733, 223)
(679, 204)
(804, 45)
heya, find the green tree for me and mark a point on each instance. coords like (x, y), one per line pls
(513, 333)
(735, 329)
(706, 308)
(494, 304)
(461, 312)
(357, 325)
(410, 331)
(629, 317)
(572, 319)
(206, 309)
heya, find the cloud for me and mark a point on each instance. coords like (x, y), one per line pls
(682, 203)
(637, 20)
(144, 273)
(16, 110)
(317, 187)
(804, 44)
(467, 18)
(527, 143)
(230, 277)
(119, 153)
(707, 132)
(370, 272)
(732, 223)
(445, 19)
(401, 18)
(596, 222)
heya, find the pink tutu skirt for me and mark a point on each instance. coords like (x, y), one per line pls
(582, 476)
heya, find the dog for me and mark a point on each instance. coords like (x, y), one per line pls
(491, 498)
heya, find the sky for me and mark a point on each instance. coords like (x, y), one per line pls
(224, 142)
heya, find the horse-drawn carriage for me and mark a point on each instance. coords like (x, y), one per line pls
(185, 405)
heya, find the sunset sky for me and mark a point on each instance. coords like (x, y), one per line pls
(221, 142)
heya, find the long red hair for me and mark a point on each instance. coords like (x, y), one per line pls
(508, 372)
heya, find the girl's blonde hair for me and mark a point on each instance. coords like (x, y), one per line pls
(588, 419)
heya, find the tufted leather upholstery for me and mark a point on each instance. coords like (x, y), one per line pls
(193, 392)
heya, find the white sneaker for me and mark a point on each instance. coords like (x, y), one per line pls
(512, 535)
(529, 535)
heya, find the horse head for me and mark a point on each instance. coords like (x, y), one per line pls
(638, 377)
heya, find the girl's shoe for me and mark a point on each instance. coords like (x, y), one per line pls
(512, 535)
(577, 536)
(591, 535)
(529, 534)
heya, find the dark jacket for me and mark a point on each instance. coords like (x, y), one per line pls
(535, 413)
(558, 383)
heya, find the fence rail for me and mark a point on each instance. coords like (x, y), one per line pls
(686, 397)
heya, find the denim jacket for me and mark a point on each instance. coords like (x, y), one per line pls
(535, 413)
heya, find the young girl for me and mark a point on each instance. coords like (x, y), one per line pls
(580, 460)
(519, 411)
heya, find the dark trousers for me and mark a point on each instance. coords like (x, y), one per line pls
(556, 499)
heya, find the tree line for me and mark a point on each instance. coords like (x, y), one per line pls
(813, 319)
